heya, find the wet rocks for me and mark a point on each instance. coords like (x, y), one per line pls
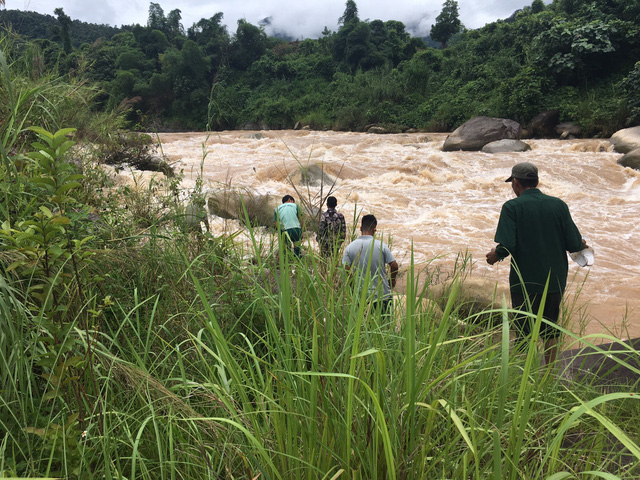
(631, 159)
(477, 132)
(313, 175)
(611, 365)
(422, 307)
(376, 129)
(625, 140)
(568, 130)
(544, 124)
(506, 146)
(153, 163)
(254, 136)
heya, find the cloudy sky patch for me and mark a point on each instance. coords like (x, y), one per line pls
(299, 19)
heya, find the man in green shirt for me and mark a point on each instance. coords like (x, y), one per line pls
(287, 218)
(537, 231)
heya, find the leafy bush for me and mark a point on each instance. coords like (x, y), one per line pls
(630, 85)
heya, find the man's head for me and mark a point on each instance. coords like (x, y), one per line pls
(523, 176)
(369, 224)
(332, 202)
(524, 171)
(288, 199)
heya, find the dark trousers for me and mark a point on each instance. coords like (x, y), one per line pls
(293, 236)
(523, 324)
(383, 305)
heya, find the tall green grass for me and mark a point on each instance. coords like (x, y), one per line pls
(301, 380)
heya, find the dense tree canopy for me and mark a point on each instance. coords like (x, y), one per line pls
(579, 58)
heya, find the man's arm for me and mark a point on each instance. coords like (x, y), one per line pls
(393, 273)
(505, 236)
(300, 218)
(572, 238)
(492, 257)
(343, 228)
(322, 227)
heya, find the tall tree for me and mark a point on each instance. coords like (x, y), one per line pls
(65, 29)
(447, 23)
(350, 13)
(537, 6)
(212, 36)
(249, 44)
(157, 20)
(174, 26)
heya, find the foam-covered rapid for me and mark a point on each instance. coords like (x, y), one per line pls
(444, 203)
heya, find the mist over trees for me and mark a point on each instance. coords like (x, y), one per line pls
(579, 58)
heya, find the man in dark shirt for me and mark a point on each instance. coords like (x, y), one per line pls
(332, 229)
(537, 231)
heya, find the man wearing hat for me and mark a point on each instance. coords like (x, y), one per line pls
(537, 231)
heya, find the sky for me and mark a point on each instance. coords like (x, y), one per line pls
(302, 19)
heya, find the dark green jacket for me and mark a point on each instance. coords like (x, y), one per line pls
(537, 231)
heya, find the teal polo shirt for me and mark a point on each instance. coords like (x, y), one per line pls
(537, 231)
(287, 215)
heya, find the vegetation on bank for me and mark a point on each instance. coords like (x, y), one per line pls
(133, 348)
(578, 57)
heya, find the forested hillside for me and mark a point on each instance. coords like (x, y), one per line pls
(37, 26)
(578, 57)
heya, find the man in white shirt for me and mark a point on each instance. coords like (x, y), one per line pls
(370, 258)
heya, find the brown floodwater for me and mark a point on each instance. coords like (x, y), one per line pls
(444, 203)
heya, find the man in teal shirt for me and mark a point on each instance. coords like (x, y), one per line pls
(287, 218)
(537, 231)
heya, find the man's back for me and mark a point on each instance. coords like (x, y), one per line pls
(370, 256)
(332, 228)
(287, 215)
(537, 230)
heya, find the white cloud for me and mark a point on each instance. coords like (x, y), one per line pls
(300, 19)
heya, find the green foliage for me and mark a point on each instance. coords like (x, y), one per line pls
(525, 94)
(508, 68)
(64, 34)
(248, 46)
(537, 6)
(630, 85)
(447, 23)
(34, 25)
(131, 348)
(350, 13)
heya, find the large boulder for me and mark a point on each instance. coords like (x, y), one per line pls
(625, 140)
(506, 146)
(544, 124)
(631, 159)
(313, 175)
(477, 132)
(231, 204)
